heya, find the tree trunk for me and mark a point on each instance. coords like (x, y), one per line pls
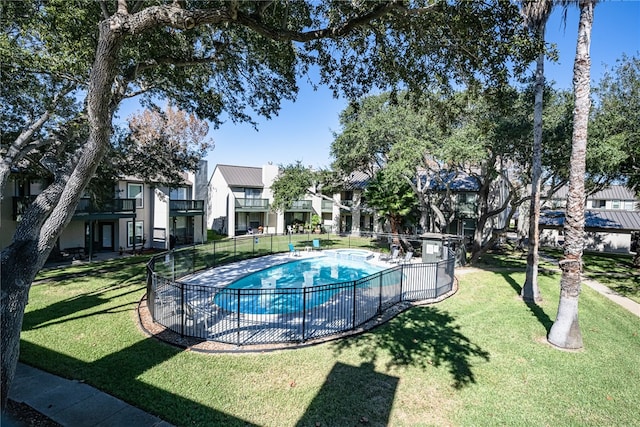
(565, 331)
(530, 289)
(54, 209)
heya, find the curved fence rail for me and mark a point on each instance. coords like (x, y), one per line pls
(272, 315)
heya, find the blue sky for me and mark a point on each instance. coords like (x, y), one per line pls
(303, 130)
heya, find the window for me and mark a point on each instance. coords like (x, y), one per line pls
(134, 191)
(615, 204)
(138, 232)
(252, 193)
(181, 193)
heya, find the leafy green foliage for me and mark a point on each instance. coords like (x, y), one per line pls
(614, 133)
(393, 198)
(292, 184)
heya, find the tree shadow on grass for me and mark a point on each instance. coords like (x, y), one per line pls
(352, 395)
(421, 337)
(79, 306)
(535, 309)
(118, 373)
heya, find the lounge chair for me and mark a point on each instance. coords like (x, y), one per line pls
(198, 317)
(293, 251)
(407, 258)
(394, 256)
(316, 244)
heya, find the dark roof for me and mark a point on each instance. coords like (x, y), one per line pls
(357, 181)
(454, 181)
(613, 192)
(609, 219)
(242, 176)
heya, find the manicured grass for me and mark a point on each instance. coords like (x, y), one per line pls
(615, 271)
(478, 358)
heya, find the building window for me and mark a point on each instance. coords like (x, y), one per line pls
(138, 232)
(252, 193)
(181, 193)
(615, 204)
(134, 191)
(599, 204)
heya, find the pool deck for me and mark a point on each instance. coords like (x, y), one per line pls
(226, 274)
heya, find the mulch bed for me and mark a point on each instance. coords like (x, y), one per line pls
(18, 414)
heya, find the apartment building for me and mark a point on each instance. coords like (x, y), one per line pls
(612, 220)
(240, 201)
(140, 215)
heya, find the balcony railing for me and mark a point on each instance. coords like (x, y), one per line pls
(196, 206)
(466, 210)
(327, 206)
(112, 206)
(252, 204)
(85, 206)
(347, 203)
(301, 205)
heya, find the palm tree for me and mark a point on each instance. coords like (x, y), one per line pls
(536, 13)
(565, 331)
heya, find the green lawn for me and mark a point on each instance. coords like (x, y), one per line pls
(478, 358)
(615, 271)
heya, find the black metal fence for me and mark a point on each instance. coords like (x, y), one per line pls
(272, 315)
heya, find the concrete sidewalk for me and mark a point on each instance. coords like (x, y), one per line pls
(622, 301)
(72, 403)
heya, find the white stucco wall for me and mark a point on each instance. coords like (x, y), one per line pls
(73, 235)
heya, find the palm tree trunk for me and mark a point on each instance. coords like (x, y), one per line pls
(536, 15)
(565, 331)
(531, 290)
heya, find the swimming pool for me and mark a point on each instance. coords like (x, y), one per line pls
(281, 288)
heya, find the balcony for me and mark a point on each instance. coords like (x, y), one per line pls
(327, 206)
(301, 205)
(186, 207)
(466, 210)
(86, 207)
(255, 205)
(113, 207)
(347, 204)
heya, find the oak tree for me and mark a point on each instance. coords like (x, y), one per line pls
(218, 60)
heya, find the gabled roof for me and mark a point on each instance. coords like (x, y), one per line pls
(453, 180)
(608, 219)
(241, 176)
(357, 181)
(613, 192)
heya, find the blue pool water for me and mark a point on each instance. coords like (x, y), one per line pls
(279, 289)
(307, 272)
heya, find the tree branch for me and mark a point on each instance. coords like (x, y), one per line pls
(105, 11)
(23, 144)
(179, 18)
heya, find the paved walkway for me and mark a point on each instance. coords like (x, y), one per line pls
(74, 404)
(622, 301)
